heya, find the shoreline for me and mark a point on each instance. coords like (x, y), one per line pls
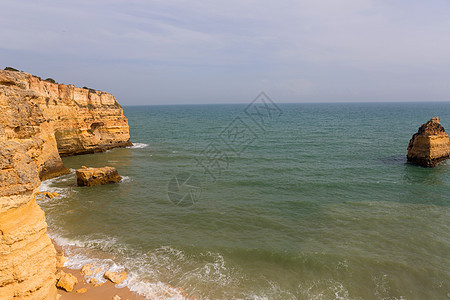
(106, 291)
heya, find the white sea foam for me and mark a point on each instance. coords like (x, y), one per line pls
(126, 179)
(77, 255)
(138, 146)
(49, 185)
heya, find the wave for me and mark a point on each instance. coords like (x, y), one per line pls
(76, 252)
(138, 146)
(49, 186)
(126, 179)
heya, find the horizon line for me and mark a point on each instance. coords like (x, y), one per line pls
(315, 102)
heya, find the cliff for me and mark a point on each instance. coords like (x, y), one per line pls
(39, 122)
(430, 145)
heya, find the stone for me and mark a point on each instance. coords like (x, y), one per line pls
(116, 297)
(95, 282)
(42, 195)
(60, 259)
(89, 269)
(67, 282)
(51, 195)
(97, 176)
(115, 277)
(60, 274)
(430, 145)
(81, 291)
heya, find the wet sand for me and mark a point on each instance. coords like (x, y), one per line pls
(104, 292)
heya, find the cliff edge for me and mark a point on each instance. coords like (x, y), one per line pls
(41, 121)
(430, 145)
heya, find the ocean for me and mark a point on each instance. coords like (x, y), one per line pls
(275, 201)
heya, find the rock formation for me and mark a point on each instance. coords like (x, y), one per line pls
(67, 282)
(430, 145)
(78, 120)
(27, 256)
(97, 176)
(115, 277)
(39, 121)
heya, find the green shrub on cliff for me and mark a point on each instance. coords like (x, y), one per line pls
(50, 80)
(11, 69)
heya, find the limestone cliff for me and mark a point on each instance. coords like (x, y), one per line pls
(39, 121)
(81, 120)
(27, 256)
(430, 145)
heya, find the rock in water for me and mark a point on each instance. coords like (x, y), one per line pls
(430, 145)
(97, 176)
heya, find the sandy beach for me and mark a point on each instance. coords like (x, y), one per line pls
(106, 291)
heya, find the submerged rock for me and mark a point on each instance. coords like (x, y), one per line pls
(430, 145)
(97, 176)
(42, 195)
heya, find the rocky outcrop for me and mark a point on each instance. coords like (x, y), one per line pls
(27, 256)
(41, 121)
(81, 120)
(97, 176)
(430, 145)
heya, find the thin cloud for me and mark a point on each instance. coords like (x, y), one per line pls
(301, 50)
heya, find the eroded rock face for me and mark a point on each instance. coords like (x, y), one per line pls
(78, 120)
(430, 145)
(39, 121)
(97, 176)
(27, 256)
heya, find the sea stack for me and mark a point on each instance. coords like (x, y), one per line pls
(430, 145)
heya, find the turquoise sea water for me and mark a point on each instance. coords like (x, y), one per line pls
(318, 203)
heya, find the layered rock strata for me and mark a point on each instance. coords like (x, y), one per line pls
(27, 256)
(430, 145)
(97, 176)
(78, 120)
(39, 122)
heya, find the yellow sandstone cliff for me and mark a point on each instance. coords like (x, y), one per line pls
(39, 121)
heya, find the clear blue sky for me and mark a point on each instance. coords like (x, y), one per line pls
(170, 52)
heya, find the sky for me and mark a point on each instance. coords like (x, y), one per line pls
(195, 52)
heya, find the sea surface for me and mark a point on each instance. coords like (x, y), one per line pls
(275, 201)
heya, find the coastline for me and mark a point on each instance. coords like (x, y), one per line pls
(78, 255)
(106, 291)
